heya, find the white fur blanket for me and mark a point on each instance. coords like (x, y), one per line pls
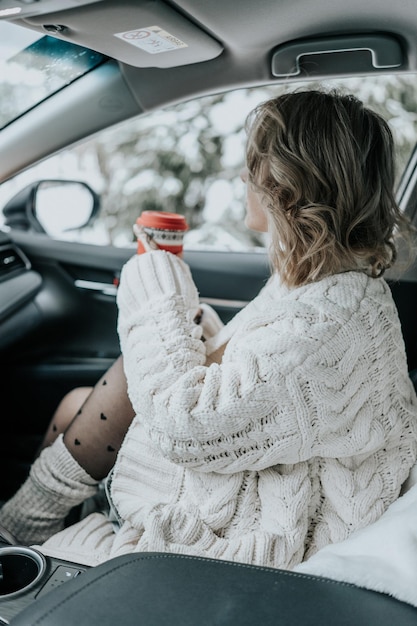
(381, 557)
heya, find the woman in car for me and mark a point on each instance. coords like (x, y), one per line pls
(292, 426)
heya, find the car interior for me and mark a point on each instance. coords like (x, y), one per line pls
(58, 310)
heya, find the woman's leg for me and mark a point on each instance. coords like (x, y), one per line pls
(64, 414)
(95, 434)
(69, 467)
(94, 421)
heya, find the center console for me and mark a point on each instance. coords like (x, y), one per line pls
(26, 575)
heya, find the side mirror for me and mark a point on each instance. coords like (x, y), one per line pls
(52, 207)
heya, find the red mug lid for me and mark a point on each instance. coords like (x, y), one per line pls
(162, 220)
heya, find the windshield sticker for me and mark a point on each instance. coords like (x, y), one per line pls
(152, 39)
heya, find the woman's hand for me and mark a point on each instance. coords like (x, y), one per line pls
(216, 356)
(144, 237)
(154, 276)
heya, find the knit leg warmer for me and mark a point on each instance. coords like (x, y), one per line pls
(56, 483)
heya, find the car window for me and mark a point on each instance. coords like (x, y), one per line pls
(187, 159)
(32, 67)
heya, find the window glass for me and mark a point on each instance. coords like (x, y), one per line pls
(32, 67)
(187, 159)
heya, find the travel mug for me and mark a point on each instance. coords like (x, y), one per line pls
(166, 230)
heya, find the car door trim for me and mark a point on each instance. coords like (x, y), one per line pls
(108, 289)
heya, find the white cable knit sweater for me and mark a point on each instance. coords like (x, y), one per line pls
(304, 433)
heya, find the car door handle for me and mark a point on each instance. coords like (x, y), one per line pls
(106, 289)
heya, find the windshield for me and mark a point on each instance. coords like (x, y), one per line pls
(32, 67)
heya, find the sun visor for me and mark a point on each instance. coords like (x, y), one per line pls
(140, 33)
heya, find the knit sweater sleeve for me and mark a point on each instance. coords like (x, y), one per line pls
(259, 407)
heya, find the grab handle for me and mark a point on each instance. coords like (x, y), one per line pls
(385, 52)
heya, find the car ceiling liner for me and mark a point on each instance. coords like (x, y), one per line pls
(152, 33)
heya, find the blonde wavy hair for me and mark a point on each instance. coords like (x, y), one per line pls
(324, 166)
